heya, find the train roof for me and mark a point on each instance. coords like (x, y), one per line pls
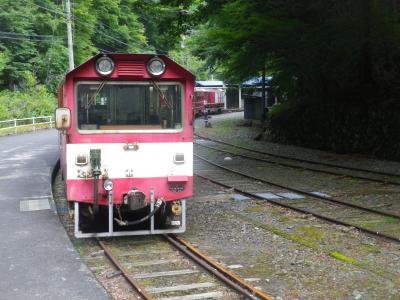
(173, 69)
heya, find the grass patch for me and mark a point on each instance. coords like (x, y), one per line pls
(147, 282)
(370, 249)
(378, 224)
(25, 129)
(279, 232)
(255, 209)
(344, 258)
(392, 220)
(311, 232)
(309, 244)
(85, 246)
(285, 219)
(274, 211)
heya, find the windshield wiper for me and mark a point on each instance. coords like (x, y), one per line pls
(91, 100)
(164, 98)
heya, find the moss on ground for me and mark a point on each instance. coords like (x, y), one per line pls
(85, 246)
(311, 232)
(285, 219)
(274, 211)
(344, 258)
(254, 209)
(315, 246)
(392, 220)
(373, 249)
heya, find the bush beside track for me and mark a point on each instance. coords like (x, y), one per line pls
(370, 130)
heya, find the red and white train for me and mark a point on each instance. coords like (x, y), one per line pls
(209, 97)
(126, 140)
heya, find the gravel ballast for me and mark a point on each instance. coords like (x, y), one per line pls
(288, 254)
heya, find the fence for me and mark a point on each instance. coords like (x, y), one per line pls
(25, 124)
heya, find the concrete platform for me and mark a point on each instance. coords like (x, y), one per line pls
(38, 260)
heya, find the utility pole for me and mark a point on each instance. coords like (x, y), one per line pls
(69, 35)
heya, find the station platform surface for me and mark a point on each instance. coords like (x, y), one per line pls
(37, 259)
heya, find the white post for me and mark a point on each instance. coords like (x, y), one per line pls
(224, 88)
(69, 35)
(33, 123)
(15, 126)
(51, 122)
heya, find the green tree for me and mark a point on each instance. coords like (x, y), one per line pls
(19, 20)
(316, 50)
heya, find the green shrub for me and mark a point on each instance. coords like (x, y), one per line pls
(31, 100)
(343, 128)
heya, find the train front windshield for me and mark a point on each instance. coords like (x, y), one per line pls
(133, 106)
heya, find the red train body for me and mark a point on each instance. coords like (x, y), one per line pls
(209, 99)
(126, 142)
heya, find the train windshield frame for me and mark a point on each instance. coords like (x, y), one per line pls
(142, 106)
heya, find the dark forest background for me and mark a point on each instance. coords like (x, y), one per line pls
(335, 64)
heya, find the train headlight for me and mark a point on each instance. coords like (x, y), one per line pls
(156, 66)
(179, 158)
(104, 65)
(108, 185)
(81, 160)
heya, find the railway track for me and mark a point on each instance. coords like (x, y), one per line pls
(172, 269)
(154, 267)
(366, 219)
(297, 163)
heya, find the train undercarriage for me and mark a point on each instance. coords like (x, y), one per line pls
(158, 217)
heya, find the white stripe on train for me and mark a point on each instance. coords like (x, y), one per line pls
(150, 160)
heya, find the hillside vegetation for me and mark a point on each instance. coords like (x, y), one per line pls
(335, 64)
(33, 43)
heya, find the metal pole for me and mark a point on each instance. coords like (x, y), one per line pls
(69, 35)
(152, 199)
(240, 97)
(263, 93)
(110, 213)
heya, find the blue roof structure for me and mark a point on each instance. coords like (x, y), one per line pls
(210, 83)
(256, 81)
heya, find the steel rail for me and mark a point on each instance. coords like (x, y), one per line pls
(329, 199)
(229, 278)
(300, 159)
(389, 237)
(125, 272)
(304, 211)
(300, 167)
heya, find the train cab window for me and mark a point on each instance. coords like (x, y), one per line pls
(134, 106)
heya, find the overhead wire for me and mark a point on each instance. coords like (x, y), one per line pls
(56, 39)
(105, 50)
(62, 14)
(99, 31)
(29, 39)
(29, 35)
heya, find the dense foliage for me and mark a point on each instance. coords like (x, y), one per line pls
(31, 99)
(33, 41)
(336, 65)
